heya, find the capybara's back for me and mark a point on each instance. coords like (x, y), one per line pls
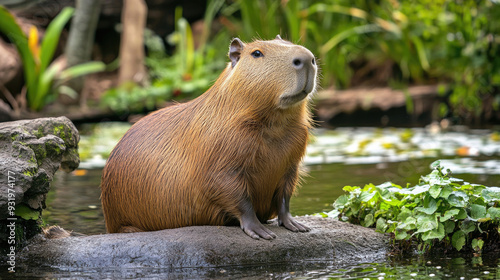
(230, 156)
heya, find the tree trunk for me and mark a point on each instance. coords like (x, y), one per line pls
(134, 17)
(81, 37)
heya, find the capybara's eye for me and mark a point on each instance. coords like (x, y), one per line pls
(257, 53)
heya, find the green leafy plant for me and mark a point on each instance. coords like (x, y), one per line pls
(390, 43)
(40, 75)
(439, 211)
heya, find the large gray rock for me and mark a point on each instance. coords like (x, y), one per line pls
(31, 151)
(208, 246)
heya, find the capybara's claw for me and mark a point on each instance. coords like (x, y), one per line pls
(291, 224)
(260, 232)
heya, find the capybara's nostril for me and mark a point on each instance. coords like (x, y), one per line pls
(297, 63)
(313, 61)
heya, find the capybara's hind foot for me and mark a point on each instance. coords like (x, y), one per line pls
(129, 229)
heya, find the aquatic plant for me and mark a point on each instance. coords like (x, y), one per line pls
(40, 74)
(437, 212)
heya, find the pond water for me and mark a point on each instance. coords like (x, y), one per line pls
(347, 156)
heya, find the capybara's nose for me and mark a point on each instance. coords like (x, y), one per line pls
(303, 60)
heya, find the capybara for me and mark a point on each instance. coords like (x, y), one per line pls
(229, 157)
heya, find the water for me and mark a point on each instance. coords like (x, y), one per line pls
(335, 159)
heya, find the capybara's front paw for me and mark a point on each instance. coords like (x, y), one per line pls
(256, 230)
(291, 224)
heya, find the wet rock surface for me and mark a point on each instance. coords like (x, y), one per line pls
(209, 246)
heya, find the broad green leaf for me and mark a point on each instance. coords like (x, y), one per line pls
(477, 211)
(419, 189)
(467, 226)
(404, 214)
(494, 213)
(400, 235)
(409, 224)
(341, 201)
(381, 225)
(458, 199)
(458, 240)
(368, 221)
(448, 214)
(366, 196)
(445, 192)
(449, 226)
(435, 191)
(426, 223)
(431, 207)
(461, 215)
(477, 244)
(437, 233)
(491, 194)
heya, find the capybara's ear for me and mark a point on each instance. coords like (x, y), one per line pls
(235, 51)
(278, 37)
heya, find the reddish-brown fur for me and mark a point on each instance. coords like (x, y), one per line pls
(215, 160)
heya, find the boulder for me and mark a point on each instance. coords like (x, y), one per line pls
(31, 151)
(329, 241)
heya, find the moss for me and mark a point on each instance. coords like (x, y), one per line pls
(60, 132)
(28, 173)
(39, 133)
(33, 159)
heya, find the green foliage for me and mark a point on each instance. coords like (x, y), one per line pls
(39, 74)
(187, 73)
(389, 42)
(439, 210)
(27, 213)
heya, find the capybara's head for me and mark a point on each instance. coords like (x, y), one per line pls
(278, 71)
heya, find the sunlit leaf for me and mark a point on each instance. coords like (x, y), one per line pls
(491, 194)
(435, 191)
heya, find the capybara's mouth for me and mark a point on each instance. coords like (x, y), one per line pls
(292, 99)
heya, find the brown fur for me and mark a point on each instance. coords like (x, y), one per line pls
(208, 161)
